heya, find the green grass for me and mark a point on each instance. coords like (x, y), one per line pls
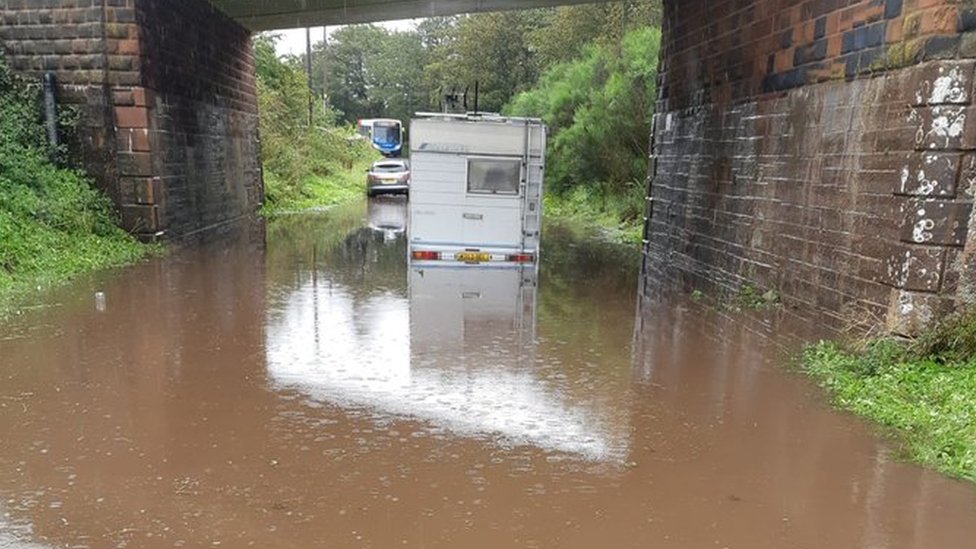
(53, 224)
(340, 186)
(617, 214)
(923, 390)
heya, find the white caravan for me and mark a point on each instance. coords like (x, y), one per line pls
(476, 189)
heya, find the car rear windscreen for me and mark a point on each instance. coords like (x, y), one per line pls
(389, 168)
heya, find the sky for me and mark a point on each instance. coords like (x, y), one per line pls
(293, 40)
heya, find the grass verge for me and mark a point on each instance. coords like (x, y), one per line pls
(923, 390)
(618, 215)
(341, 185)
(53, 224)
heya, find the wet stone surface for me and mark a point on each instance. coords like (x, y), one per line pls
(301, 386)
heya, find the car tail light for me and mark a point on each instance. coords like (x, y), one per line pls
(405, 177)
(521, 258)
(426, 256)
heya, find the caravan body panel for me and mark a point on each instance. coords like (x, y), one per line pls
(477, 184)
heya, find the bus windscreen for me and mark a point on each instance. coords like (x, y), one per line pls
(386, 133)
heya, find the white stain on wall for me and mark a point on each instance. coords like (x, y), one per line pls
(949, 87)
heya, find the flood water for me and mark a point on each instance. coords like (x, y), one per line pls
(298, 385)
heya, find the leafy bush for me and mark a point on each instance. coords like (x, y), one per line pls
(599, 110)
(53, 223)
(301, 162)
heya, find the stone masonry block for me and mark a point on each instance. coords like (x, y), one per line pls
(966, 184)
(964, 266)
(909, 312)
(131, 117)
(134, 163)
(944, 127)
(141, 96)
(930, 174)
(912, 267)
(935, 222)
(141, 190)
(138, 218)
(967, 45)
(133, 140)
(131, 97)
(944, 83)
(123, 98)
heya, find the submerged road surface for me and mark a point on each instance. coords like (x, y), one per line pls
(301, 386)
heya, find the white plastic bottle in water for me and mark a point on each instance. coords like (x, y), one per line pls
(100, 302)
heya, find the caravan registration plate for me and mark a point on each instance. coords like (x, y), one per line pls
(472, 257)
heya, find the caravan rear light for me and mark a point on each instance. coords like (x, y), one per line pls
(426, 256)
(521, 258)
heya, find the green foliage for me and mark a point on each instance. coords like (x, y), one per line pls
(925, 391)
(439, 37)
(599, 109)
(53, 223)
(588, 70)
(952, 341)
(751, 297)
(314, 192)
(369, 72)
(494, 50)
(616, 213)
(304, 166)
(570, 29)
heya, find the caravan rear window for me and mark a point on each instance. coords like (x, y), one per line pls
(494, 175)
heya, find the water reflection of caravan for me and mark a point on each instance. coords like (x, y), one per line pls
(470, 308)
(476, 189)
(458, 353)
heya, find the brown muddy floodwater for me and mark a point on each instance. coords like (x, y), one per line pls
(301, 386)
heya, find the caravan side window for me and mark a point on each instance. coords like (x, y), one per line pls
(494, 175)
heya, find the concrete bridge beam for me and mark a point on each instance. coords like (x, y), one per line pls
(280, 14)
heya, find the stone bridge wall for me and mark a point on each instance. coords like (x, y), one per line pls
(168, 101)
(824, 149)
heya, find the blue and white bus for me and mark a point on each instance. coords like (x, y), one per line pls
(386, 134)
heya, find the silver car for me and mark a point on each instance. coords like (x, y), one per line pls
(390, 175)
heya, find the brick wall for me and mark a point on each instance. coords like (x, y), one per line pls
(820, 148)
(201, 104)
(84, 42)
(168, 101)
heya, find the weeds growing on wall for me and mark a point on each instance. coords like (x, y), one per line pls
(53, 223)
(924, 390)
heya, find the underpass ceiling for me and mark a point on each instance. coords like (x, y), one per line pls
(259, 15)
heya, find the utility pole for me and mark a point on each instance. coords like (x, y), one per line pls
(325, 65)
(308, 71)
